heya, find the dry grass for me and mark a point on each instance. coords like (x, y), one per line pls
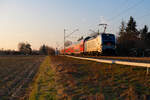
(64, 78)
(86, 80)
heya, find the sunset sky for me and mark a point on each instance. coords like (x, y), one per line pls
(43, 21)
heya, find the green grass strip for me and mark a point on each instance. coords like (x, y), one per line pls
(44, 84)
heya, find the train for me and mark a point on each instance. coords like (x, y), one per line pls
(99, 44)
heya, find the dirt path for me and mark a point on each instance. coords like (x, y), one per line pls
(44, 84)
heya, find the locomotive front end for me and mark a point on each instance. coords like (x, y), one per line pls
(108, 44)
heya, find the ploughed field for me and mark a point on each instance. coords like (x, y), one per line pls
(16, 72)
(64, 78)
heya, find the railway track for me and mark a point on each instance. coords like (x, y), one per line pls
(115, 61)
(130, 59)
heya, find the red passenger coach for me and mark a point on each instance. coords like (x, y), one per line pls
(75, 48)
(98, 44)
(79, 47)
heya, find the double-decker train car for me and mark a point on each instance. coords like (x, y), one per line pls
(98, 44)
(75, 48)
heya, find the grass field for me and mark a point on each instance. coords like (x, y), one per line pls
(16, 72)
(63, 78)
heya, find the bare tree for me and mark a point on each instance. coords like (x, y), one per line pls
(46, 50)
(24, 48)
(67, 43)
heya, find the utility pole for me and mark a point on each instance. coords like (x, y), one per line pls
(57, 49)
(67, 37)
(64, 40)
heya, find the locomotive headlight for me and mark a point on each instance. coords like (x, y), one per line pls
(108, 44)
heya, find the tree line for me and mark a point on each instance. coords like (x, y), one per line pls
(132, 41)
(24, 48)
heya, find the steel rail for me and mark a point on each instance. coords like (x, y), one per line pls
(129, 63)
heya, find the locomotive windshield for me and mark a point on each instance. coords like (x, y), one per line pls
(108, 37)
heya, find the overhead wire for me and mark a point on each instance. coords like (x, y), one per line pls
(126, 10)
(123, 4)
(143, 16)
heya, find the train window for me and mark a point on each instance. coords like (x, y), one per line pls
(108, 37)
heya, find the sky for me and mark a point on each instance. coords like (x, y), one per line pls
(43, 21)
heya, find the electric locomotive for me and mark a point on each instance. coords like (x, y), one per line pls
(98, 44)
